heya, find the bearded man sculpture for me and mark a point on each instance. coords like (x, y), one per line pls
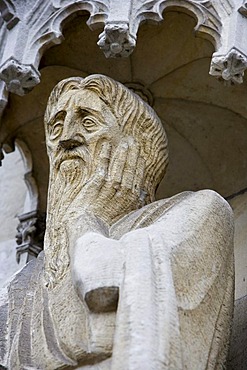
(126, 283)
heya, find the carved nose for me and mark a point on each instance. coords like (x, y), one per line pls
(70, 143)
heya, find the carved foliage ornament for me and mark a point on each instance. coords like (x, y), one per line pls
(230, 60)
(229, 68)
(20, 78)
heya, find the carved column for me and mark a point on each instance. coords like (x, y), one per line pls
(31, 228)
(30, 234)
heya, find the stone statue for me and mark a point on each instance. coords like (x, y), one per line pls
(126, 282)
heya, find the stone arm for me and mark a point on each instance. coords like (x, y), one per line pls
(181, 268)
(196, 233)
(199, 233)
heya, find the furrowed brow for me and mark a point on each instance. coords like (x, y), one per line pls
(59, 114)
(87, 111)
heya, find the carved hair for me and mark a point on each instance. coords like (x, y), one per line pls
(134, 116)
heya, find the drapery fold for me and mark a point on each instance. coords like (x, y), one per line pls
(147, 324)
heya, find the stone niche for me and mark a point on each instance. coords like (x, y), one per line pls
(205, 120)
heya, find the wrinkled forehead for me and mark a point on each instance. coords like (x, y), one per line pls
(79, 99)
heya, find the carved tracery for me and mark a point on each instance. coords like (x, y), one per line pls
(28, 31)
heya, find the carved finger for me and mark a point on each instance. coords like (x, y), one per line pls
(130, 166)
(139, 175)
(107, 192)
(103, 163)
(118, 164)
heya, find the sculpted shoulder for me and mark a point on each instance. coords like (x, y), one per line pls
(208, 196)
(204, 207)
(196, 207)
(210, 205)
(205, 200)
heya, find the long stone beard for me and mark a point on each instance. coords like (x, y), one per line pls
(68, 176)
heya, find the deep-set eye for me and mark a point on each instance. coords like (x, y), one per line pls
(90, 124)
(56, 130)
(55, 126)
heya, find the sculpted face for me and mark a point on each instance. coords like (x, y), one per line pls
(107, 151)
(79, 123)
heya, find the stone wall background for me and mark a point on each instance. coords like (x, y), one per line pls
(12, 198)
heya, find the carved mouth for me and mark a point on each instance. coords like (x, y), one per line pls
(68, 161)
(68, 157)
(72, 158)
(72, 169)
(73, 163)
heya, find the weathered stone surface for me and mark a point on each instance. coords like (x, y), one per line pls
(125, 277)
(13, 189)
(238, 204)
(238, 352)
(30, 234)
(9, 265)
(230, 68)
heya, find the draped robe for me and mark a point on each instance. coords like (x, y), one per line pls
(172, 262)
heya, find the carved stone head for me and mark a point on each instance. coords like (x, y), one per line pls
(81, 113)
(90, 122)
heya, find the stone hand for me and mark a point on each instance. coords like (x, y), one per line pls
(120, 191)
(115, 188)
